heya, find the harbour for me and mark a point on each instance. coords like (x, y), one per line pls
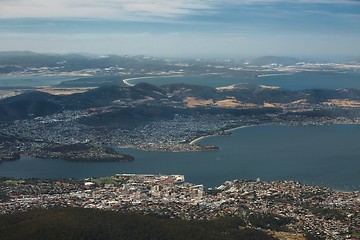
(319, 155)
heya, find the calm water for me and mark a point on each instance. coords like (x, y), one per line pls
(32, 81)
(296, 81)
(321, 155)
(292, 81)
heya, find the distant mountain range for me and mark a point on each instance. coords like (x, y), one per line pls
(73, 62)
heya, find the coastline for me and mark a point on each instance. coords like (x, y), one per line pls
(347, 187)
(199, 138)
(226, 131)
(275, 74)
(126, 81)
(253, 125)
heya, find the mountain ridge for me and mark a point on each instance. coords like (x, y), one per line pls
(33, 104)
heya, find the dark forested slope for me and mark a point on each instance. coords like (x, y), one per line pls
(89, 224)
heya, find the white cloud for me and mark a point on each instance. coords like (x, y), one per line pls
(355, 2)
(120, 9)
(127, 9)
(164, 8)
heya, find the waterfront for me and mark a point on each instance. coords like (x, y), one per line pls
(321, 155)
(302, 209)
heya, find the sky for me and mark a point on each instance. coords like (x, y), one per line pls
(183, 28)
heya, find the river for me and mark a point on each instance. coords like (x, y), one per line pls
(295, 81)
(321, 155)
(13, 81)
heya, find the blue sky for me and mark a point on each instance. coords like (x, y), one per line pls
(183, 28)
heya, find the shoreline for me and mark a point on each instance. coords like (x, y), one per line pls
(303, 183)
(200, 138)
(275, 74)
(253, 125)
(246, 126)
(126, 81)
(226, 131)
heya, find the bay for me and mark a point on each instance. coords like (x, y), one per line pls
(320, 155)
(295, 81)
(32, 80)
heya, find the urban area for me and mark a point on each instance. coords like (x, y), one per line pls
(303, 209)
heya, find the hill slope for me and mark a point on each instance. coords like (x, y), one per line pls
(76, 223)
(141, 98)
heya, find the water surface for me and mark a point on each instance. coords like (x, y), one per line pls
(32, 81)
(296, 81)
(321, 155)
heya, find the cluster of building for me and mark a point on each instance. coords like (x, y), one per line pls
(312, 210)
(319, 211)
(165, 135)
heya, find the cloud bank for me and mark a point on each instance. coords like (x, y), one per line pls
(182, 27)
(131, 10)
(107, 9)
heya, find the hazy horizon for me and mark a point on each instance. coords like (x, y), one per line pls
(311, 59)
(183, 28)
